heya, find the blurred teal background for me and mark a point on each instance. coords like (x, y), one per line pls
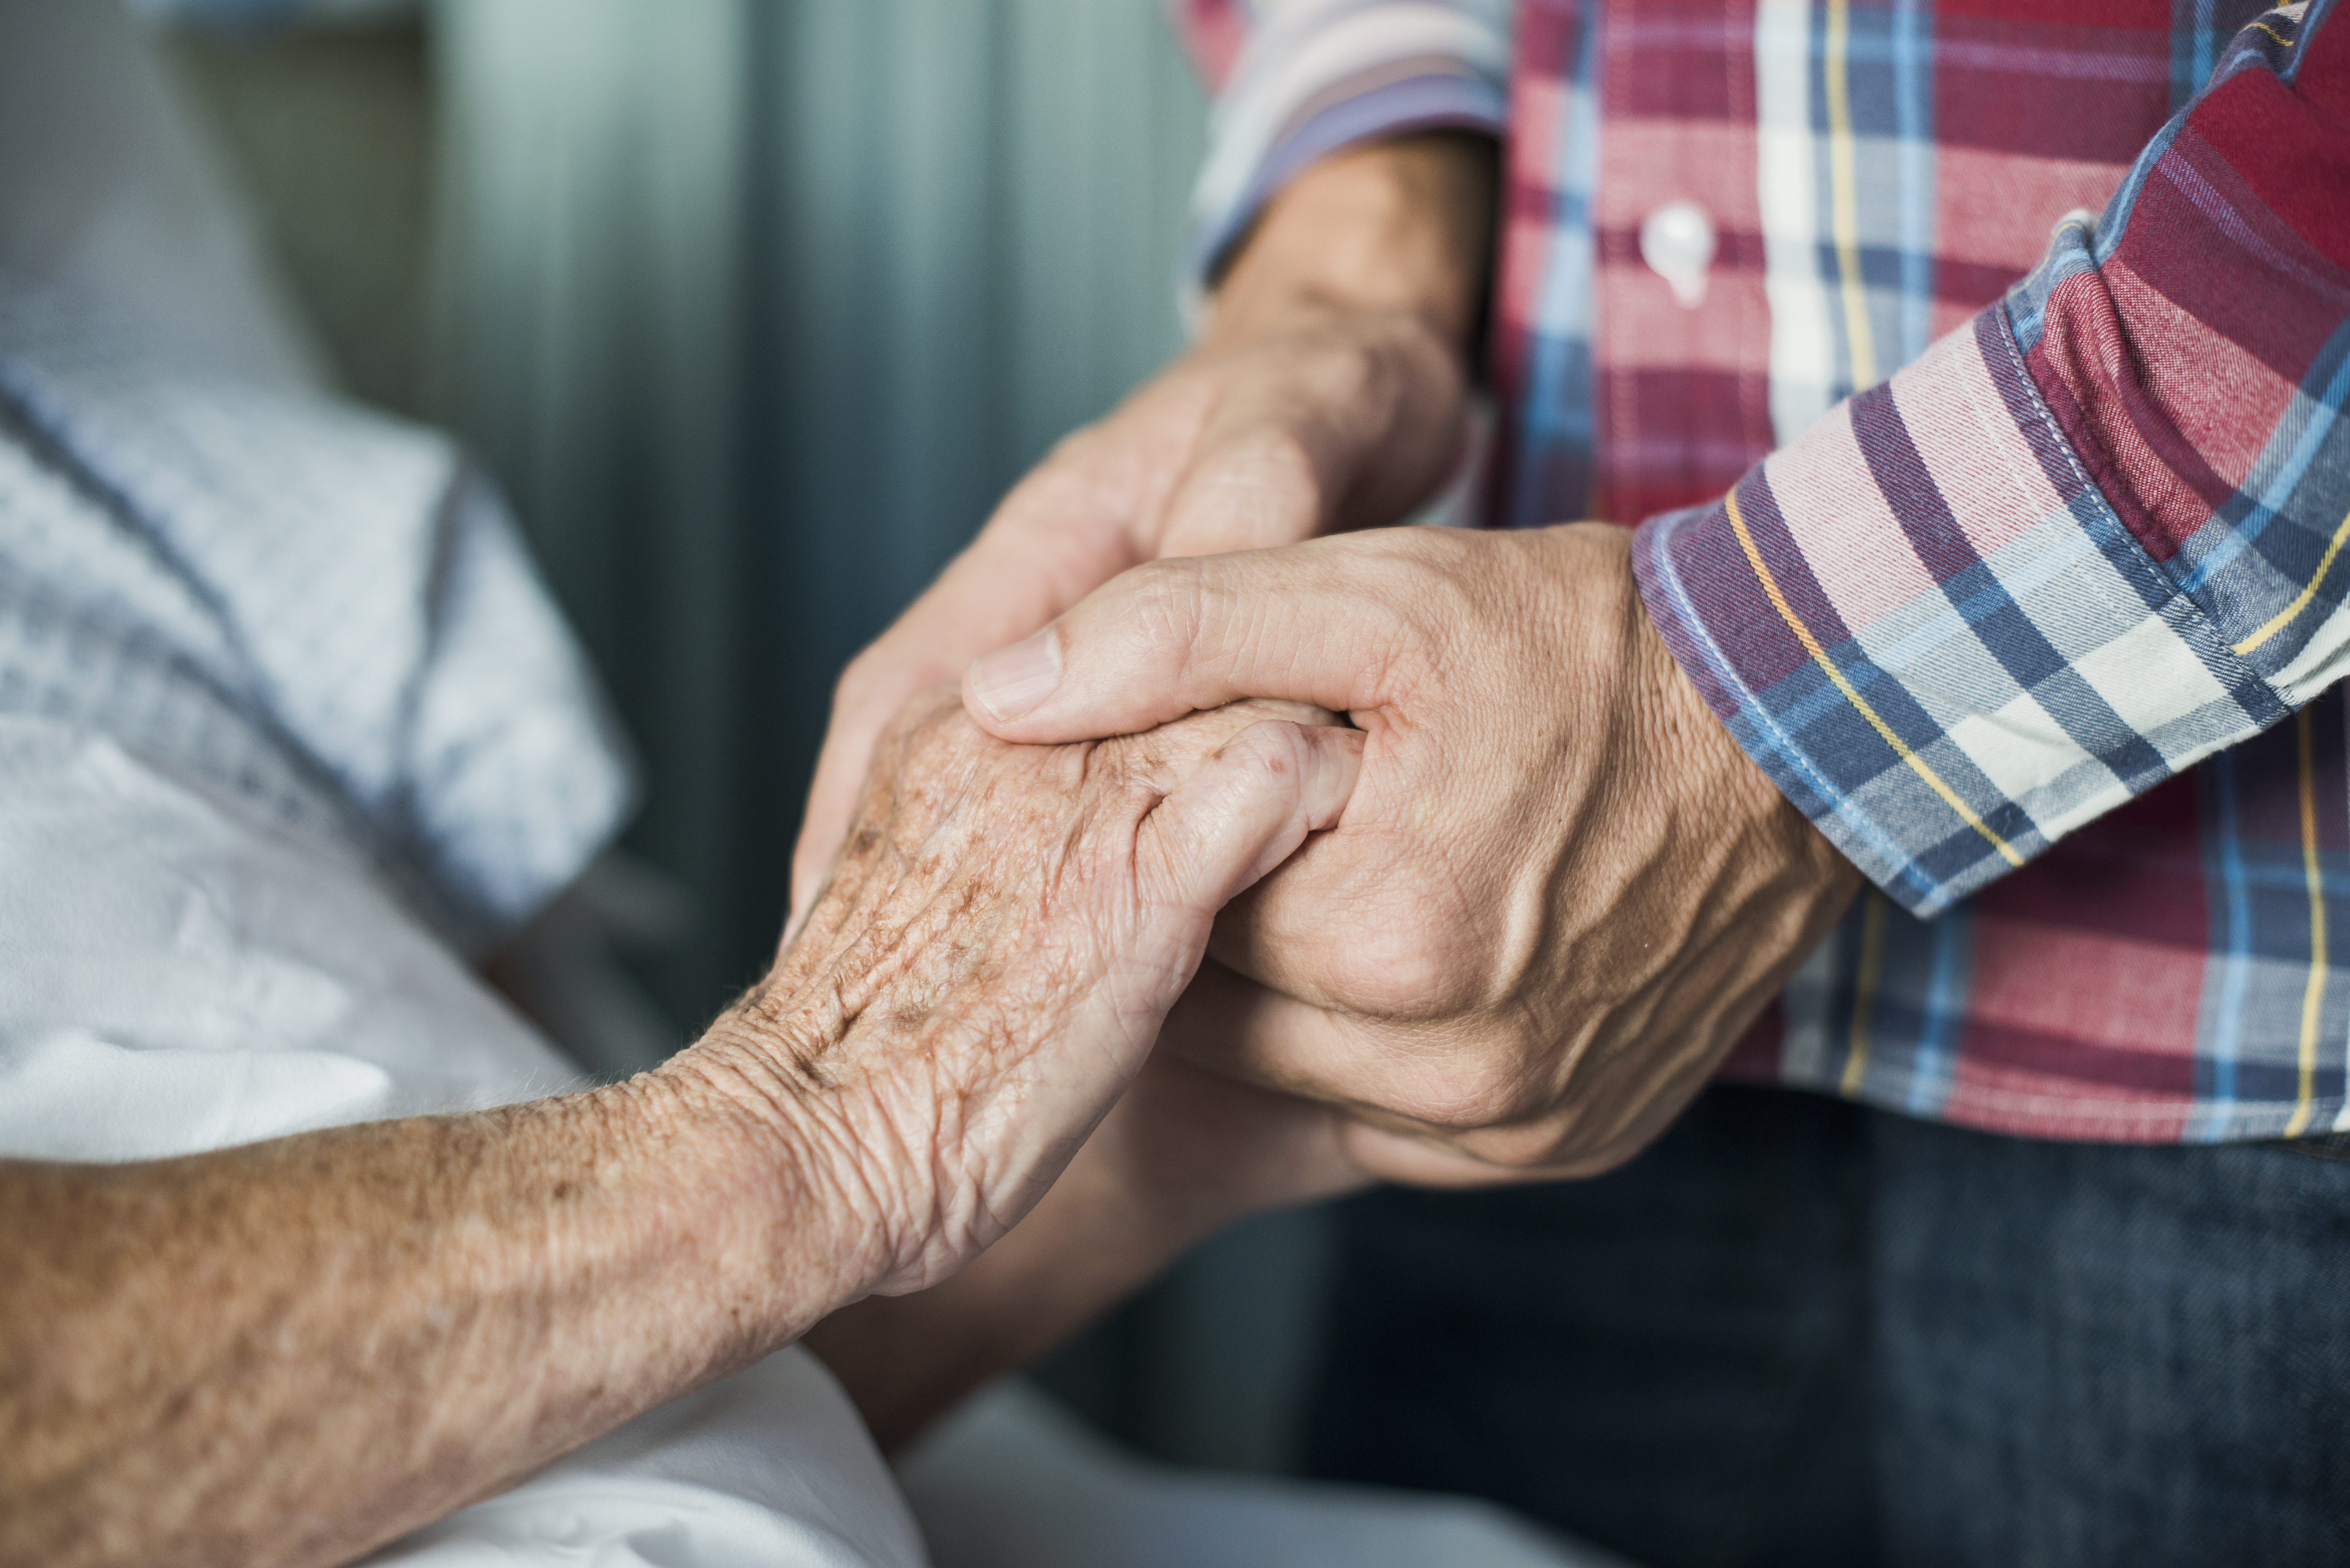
(756, 308)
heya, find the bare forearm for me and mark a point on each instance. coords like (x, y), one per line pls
(288, 1354)
(1404, 226)
(291, 1353)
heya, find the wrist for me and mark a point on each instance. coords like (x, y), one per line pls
(1731, 788)
(1402, 226)
(771, 1157)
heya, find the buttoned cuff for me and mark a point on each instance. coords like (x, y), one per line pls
(1924, 621)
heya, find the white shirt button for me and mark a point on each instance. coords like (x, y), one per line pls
(1677, 242)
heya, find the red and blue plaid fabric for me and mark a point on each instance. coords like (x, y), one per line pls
(1977, 372)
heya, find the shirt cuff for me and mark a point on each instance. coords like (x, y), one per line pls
(1924, 621)
(1321, 74)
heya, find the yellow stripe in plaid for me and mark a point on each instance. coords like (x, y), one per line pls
(1864, 988)
(1845, 197)
(2284, 618)
(1851, 693)
(2312, 996)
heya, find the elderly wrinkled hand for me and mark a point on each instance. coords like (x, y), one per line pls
(287, 1353)
(989, 962)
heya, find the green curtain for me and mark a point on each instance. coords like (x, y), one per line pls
(755, 307)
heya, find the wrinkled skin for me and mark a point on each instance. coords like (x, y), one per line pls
(1561, 891)
(284, 1355)
(1328, 391)
(987, 966)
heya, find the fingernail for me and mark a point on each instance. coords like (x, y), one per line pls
(1014, 681)
(1337, 765)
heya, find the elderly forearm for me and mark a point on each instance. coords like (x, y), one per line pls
(290, 1352)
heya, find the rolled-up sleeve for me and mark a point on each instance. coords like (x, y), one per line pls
(2086, 541)
(1297, 80)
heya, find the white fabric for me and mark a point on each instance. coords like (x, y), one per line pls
(1010, 1482)
(298, 600)
(274, 676)
(176, 975)
(770, 1469)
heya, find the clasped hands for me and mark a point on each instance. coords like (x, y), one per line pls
(1560, 890)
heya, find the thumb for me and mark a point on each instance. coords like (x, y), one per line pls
(1171, 638)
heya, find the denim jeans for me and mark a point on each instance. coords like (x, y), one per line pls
(1797, 1331)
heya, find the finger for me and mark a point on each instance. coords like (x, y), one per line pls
(1210, 1148)
(1309, 623)
(1171, 753)
(831, 804)
(1343, 436)
(1370, 1067)
(1221, 1027)
(1422, 1110)
(1424, 1160)
(1250, 487)
(1244, 811)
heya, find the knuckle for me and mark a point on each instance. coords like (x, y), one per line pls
(1535, 1147)
(1393, 979)
(859, 676)
(1271, 470)
(1265, 744)
(1167, 609)
(1345, 370)
(1235, 736)
(1399, 963)
(1469, 1093)
(1078, 449)
(1077, 472)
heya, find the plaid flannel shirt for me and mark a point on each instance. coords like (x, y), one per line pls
(1976, 374)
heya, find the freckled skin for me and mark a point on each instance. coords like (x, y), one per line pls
(286, 1355)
